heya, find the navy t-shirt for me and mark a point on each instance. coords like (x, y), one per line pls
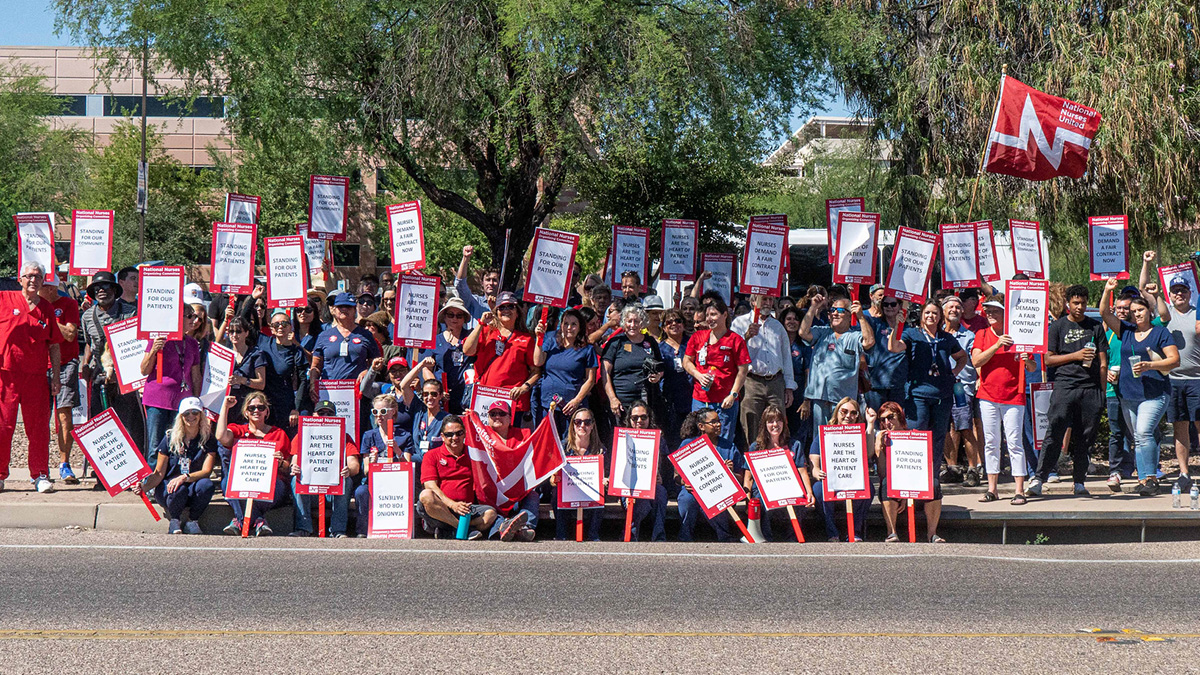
(676, 383)
(360, 347)
(372, 440)
(451, 361)
(1151, 383)
(799, 456)
(726, 450)
(888, 370)
(247, 368)
(194, 450)
(284, 367)
(930, 366)
(565, 370)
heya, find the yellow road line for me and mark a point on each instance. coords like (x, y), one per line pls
(121, 634)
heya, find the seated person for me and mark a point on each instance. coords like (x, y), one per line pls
(500, 420)
(306, 505)
(186, 456)
(256, 409)
(377, 447)
(708, 422)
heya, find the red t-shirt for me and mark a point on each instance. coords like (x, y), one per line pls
(976, 323)
(452, 474)
(66, 312)
(504, 363)
(26, 334)
(1002, 379)
(276, 435)
(721, 358)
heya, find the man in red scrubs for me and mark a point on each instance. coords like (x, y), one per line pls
(29, 338)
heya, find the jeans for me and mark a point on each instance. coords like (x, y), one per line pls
(993, 416)
(645, 507)
(861, 506)
(307, 505)
(1120, 441)
(728, 416)
(690, 513)
(192, 496)
(1143, 418)
(564, 524)
(822, 412)
(158, 422)
(930, 414)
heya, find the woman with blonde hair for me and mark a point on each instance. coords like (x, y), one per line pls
(185, 459)
(256, 410)
(845, 412)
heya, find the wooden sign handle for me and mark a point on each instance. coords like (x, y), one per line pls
(741, 526)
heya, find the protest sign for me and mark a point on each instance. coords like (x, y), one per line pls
(1041, 393)
(483, 396)
(244, 209)
(314, 249)
(844, 461)
(287, 285)
(127, 350)
(721, 266)
(712, 483)
(391, 486)
(407, 236)
(35, 240)
(110, 449)
(343, 394)
(679, 239)
(91, 242)
(857, 252)
(634, 467)
(1026, 238)
(960, 268)
(762, 259)
(218, 368)
(79, 414)
(416, 311)
(833, 207)
(1184, 272)
(233, 248)
(252, 472)
(910, 465)
(985, 242)
(160, 303)
(322, 455)
(551, 262)
(328, 207)
(1025, 307)
(777, 478)
(581, 483)
(912, 264)
(1108, 247)
(630, 253)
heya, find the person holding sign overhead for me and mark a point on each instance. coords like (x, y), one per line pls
(582, 441)
(185, 459)
(773, 433)
(836, 354)
(256, 411)
(890, 417)
(489, 280)
(708, 422)
(503, 353)
(846, 412)
(181, 376)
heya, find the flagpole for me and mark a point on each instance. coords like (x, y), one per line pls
(986, 142)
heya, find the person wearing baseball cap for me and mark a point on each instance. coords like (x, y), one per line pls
(503, 352)
(344, 350)
(876, 295)
(339, 505)
(184, 462)
(108, 307)
(66, 314)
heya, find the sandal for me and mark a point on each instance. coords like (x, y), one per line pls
(892, 538)
(989, 497)
(935, 539)
(1018, 499)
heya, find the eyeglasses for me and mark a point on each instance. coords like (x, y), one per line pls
(710, 422)
(31, 277)
(192, 413)
(279, 325)
(838, 310)
(237, 331)
(190, 316)
(431, 394)
(639, 418)
(380, 412)
(256, 408)
(497, 413)
(888, 418)
(584, 422)
(891, 304)
(849, 412)
(453, 434)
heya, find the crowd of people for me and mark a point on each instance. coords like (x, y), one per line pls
(764, 373)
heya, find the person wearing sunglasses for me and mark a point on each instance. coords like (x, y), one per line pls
(365, 305)
(837, 353)
(503, 352)
(256, 411)
(568, 366)
(249, 363)
(181, 377)
(344, 350)
(718, 361)
(640, 416)
(888, 370)
(677, 384)
(800, 411)
(377, 447)
(285, 364)
(847, 411)
(184, 461)
(451, 365)
(448, 490)
(582, 440)
(428, 417)
(339, 505)
(499, 419)
(707, 422)
(891, 418)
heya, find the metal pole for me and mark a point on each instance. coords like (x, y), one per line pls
(142, 211)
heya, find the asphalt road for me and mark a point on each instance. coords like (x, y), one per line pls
(111, 602)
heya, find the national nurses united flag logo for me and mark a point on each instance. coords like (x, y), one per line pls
(1038, 136)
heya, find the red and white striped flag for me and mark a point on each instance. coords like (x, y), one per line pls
(503, 474)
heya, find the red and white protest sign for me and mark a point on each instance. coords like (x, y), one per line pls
(630, 253)
(287, 281)
(679, 239)
(218, 368)
(762, 259)
(233, 249)
(844, 461)
(857, 253)
(985, 243)
(343, 394)
(1184, 273)
(551, 261)
(35, 240)
(912, 264)
(392, 502)
(417, 310)
(1026, 238)
(244, 209)
(1019, 144)
(910, 465)
(1026, 305)
(482, 397)
(1108, 247)
(833, 207)
(111, 451)
(721, 266)
(581, 483)
(1040, 392)
(407, 236)
(634, 470)
(777, 478)
(322, 456)
(328, 207)
(252, 470)
(712, 483)
(91, 242)
(314, 249)
(160, 303)
(127, 351)
(960, 269)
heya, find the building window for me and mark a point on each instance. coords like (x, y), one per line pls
(162, 106)
(72, 106)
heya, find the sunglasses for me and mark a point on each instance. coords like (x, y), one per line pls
(584, 422)
(256, 408)
(639, 418)
(431, 394)
(237, 331)
(380, 412)
(888, 418)
(456, 315)
(891, 304)
(497, 413)
(838, 310)
(366, 302)
(279, 325)
(672, 322)
(453, 434)
(190, 316)
(305, 310)
(849, 411)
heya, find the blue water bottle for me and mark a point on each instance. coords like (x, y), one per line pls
(464, 526)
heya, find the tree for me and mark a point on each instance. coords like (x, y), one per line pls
(517, 93)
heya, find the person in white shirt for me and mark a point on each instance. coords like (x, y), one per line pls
(770, 380)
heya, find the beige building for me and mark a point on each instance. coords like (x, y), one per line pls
(823, 141)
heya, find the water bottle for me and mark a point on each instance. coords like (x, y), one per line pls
(1175, 496)
(464, 524)
(1194, 493)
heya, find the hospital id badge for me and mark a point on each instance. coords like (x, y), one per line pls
(424, 445)
(702, 355)
(678, 364)
(499, 348)
(344, 348)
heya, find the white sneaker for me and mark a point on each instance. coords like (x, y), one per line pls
(43, 484)
(1033, 487)
(173, 527)
(191, 527)
(1053, 478)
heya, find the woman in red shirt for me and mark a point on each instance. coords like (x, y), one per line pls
(256, 409)
(1001, 394)
(503, 352)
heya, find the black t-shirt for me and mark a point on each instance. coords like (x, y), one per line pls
(627, 359)
(1066, 337)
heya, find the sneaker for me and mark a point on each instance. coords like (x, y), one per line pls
(299, 533)
(513, 526)
(1160, 474)
(1081, 490)
(1148, 488)
(66, 475)
(234, 527)
(527, 534)
(1053, 478)
(1114, 481)
(972, 477)
(474, 535)
(1034, 487)
(173, 527)
(43, 484)
(340, 535)
(192, 527)
(262, 529)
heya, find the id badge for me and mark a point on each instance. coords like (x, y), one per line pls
(424, 445)
(678, 364)
(457, 358)
(344, 349)
(702, 356)
(499, 348)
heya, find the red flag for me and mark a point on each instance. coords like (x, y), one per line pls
(503, 475)
(1038, 136)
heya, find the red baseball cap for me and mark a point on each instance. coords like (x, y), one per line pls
(500, 405)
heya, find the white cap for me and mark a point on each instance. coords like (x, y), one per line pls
(193, 294)
(189, 404)
(50, 280)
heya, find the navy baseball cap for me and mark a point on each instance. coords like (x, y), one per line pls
(344, 299)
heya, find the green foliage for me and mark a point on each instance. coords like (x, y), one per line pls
(803, 199)
(446, 233)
